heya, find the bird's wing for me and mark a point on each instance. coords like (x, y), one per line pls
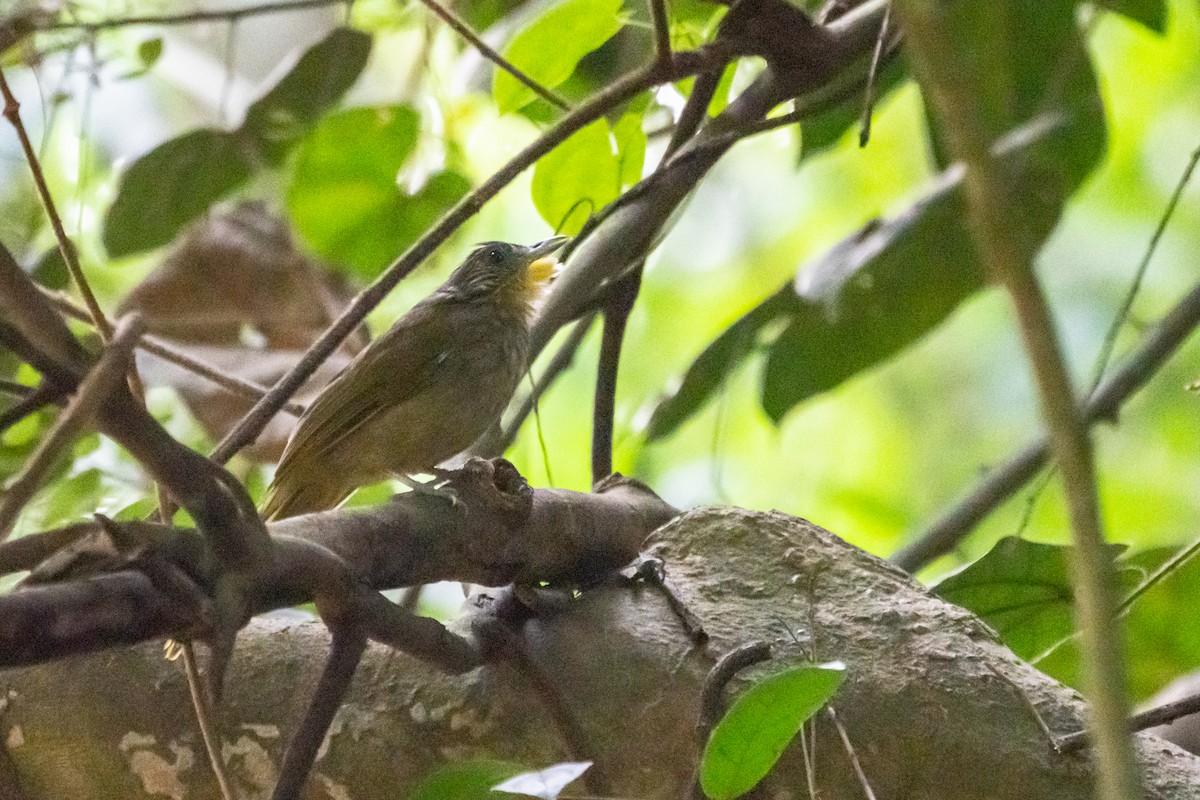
(394, 368)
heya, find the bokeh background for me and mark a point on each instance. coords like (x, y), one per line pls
(873, 460)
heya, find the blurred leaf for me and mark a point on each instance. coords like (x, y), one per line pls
(323, 74)
(862, 301)
(51, 270)
(1151, 13)
(180, 179)
(749, 739)
(577, 179)
(875, 293)
(237, 294)
(170, 186)
(631, 147)
(719, 359)
(344, 197)
(149, 51)
(1023, 590)
(469, 780)
(548, 49)
(1025, 59)
(819, 132)
(547, 783)
(870, 296)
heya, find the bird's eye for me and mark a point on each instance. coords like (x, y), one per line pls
(495, 255)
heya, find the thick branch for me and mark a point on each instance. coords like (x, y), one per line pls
(500, 532)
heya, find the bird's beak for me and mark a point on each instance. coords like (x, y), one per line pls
(547, 247)
(542, 267)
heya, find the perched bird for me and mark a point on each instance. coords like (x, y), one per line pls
(425, 390)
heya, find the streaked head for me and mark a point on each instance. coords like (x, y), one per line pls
(506, 272)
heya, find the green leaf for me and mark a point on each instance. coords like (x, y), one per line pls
(711, 368)
(1150, 13)
(1023, 60)
(748, 741)
(872, 295)
(1022, 589)
(286, 114)
(820, 132)
(170, 186)
(548, 49)
(631, 147)
(469, 780)
(149, 51)
(344, 198)
(577, 179)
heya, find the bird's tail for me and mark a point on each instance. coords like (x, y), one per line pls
(289, 499)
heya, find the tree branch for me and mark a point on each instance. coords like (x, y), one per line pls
(227, 15)
(459, 26)
(616, 314)
(502, 531)
(993, 215)
(93, 391)
(1001, 483)
(69, 254)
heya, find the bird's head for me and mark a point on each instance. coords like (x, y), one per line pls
(506, 273)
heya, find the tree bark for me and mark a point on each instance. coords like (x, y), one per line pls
(934, 706)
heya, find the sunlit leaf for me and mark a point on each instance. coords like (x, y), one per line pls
(344, 196)
(577, 179)
(547, 783)
(170, 186)
(631, 147)
(749, 739)
(282, 117)
(468, 780)
(1151, 13)
(549, 48)
(1022, 589)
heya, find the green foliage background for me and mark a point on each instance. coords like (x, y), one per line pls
(872, 460)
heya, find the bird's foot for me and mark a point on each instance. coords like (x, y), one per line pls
(436, 487)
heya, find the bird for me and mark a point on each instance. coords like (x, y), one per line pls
(424, 390)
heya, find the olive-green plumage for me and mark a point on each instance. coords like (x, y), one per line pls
(422, 392)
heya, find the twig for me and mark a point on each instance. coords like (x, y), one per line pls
(70, 257)
(662, 31)
(712, 695)
(864, 133)
(231, 15)
(992, 213)
(205, 716)
(569, 730)
(1001, 483)
(168, 352)
(93, 390)
(616, 314)
(620, 91)
(1110, 339)
(1151, 718)
(850, 751)
(15, 388)
(487, 51)
(345, 652)
(43, 395)
(1027, 702)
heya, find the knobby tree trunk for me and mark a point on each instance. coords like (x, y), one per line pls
(933, 705)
